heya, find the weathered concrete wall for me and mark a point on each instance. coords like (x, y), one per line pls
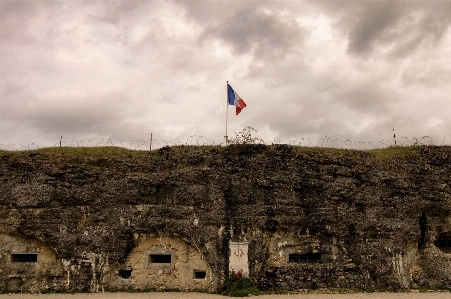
(178, 273)
(374, 220)
(47, 272)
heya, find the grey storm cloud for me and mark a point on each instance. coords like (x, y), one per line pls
(115, 12)
(375, 18)
(55, 116)
(126, 69)
(403, 25)
(367, 97)
(251, 30)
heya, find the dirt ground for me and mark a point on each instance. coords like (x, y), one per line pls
(174, 295)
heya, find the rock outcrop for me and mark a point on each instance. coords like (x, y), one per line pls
(88, 219)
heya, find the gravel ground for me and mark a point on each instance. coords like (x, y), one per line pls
(158, 295)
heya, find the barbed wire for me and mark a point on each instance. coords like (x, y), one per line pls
(323, 142)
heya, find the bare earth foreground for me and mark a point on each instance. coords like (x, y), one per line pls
(175, 295)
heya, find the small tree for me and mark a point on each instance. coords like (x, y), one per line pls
(245, 137)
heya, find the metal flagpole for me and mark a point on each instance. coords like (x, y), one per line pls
(227, 110)
(394, 136)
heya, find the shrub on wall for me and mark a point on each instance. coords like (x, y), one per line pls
(238, 285)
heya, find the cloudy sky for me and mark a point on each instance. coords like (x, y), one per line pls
(345, 70)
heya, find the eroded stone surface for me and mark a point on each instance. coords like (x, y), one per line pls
(374, 219)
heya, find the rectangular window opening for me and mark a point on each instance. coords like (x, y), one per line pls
(305, 258)
(200, 274)
(125, 273)
(24, 257)
(160, 258)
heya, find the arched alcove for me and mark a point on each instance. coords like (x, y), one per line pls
(162, 263)
(29, 265)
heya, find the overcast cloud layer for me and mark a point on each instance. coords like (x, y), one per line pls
(125, 69)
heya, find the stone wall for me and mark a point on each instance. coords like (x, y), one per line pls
(19, 276)
(114, 219)
(160, 263)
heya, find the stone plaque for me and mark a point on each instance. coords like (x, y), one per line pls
(238, 259)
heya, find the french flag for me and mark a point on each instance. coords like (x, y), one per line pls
(234, 99)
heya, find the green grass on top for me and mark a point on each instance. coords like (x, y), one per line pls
(55, 152)
(76, 151)
(384, 153)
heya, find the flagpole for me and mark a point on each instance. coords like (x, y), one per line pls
(227, 109)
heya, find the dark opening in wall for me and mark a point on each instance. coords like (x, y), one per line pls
(423, 229)
(304, 258)
(24, 257)
(125, 273)
(199, 274)
(160, 258)
(443, 242)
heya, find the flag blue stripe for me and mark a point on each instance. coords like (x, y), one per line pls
(230, 95)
